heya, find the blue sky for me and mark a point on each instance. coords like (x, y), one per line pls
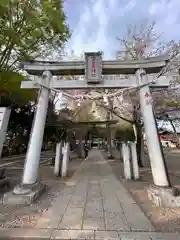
(96, 23)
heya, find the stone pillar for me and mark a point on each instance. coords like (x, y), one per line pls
(135, 166)
(30, 189)
(31, 167)
(157, 161)
(126, 159)
(65, 161)
(58, 158)
(4, 120)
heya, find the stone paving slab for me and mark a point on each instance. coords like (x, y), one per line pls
(116, 221)
(93, 224)
(72, 219)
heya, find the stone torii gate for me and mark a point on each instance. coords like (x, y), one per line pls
(93, 68)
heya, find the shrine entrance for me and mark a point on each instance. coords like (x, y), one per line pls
(90, 134)
(141, 75)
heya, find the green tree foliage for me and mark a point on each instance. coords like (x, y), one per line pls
(10, 92)
(28, 28)
(124, 131)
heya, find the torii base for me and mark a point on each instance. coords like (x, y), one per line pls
(164, 197)
(24, 194)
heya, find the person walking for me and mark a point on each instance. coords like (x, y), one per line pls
(86, 150)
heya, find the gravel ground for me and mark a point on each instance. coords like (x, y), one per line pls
(27, 216)
(163, 219)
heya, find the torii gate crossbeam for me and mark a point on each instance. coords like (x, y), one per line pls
(161, 82)
(110, 67)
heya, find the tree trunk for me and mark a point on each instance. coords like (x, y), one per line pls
(139, 146)
(138, 134)
(108, 118)
(175, 133)
(109, 145)
(138, 138)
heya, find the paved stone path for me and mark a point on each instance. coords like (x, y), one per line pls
(93, 205)
(95, 200)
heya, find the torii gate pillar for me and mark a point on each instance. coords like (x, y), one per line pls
(159, 172)
(161, 193)
(30, 188)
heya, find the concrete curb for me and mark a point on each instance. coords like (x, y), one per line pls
(50, 234)
(28, 234)
(13, 157)
(13, 163)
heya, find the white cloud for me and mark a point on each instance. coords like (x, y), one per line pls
(97, 13)
(96, 22)
(166, 11)
(85, 41)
